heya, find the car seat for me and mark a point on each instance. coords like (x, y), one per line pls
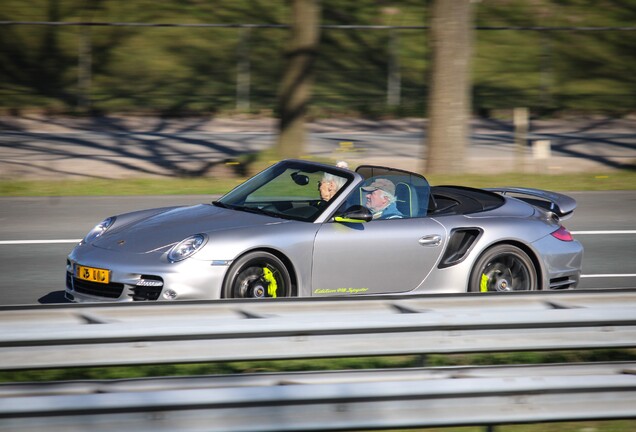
(406, 199)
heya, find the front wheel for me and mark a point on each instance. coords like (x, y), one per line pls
(257, 275)
(503, 268)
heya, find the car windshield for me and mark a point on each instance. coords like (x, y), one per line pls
(290, 189)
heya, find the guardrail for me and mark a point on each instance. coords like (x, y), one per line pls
(102, 335)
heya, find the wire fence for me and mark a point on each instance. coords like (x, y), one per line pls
(324, 26)
(362, 69)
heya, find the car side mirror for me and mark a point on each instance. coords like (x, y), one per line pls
(300, 179)
(355, 214)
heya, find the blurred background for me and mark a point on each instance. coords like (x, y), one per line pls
(196, 57)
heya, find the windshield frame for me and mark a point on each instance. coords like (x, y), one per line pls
(239, 197)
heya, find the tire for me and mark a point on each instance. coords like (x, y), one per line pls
(257, 275)
(503, 268)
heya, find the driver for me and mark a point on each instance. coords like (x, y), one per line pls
(380, 199)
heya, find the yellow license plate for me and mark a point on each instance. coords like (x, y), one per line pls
(92, 274)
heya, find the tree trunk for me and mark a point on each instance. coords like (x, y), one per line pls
(295, 90)
(449, 103)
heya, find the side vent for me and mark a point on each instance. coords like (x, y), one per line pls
(562, 283)
(460, 242)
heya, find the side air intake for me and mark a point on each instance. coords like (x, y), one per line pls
(460, 242)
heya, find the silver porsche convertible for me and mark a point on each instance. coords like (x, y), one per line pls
(376, 230)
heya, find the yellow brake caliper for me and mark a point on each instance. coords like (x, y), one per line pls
(272, 286)
(483, 285)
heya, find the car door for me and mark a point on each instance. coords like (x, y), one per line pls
(380, 256)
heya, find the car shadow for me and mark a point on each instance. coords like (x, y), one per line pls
(53, 297)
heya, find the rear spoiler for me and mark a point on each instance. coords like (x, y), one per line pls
(561, 205)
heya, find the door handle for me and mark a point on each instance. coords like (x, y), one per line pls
(431, 240)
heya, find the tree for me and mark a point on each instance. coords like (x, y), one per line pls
(449, 103)
(295, 90)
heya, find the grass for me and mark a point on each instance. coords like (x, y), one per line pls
(616, 180)
(592, 426)
(383, 362)
(95, 187)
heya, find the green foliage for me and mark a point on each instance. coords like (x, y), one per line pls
(618, 180)
(590, 426)
(525, 357)
(176, 71)
(328, 364)
(96, 187)
(560, 70)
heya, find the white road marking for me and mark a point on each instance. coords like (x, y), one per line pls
(603, 232)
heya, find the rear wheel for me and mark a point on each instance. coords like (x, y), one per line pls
(503, 268)
(257, 275)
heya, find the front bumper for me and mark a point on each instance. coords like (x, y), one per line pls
(142, 277)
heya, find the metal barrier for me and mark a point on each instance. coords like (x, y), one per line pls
(60, 336)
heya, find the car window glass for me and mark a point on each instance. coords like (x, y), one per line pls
(288, 190)
(411, 191)
(284, 187)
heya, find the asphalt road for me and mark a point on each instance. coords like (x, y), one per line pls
(36, 234)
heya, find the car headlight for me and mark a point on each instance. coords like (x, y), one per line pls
(99, 229)
(187, 247)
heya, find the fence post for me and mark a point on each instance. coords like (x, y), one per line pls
(542, 149)
(394, 77)
(243, 72)
(84, 69)
(541, 154)
(520, 119)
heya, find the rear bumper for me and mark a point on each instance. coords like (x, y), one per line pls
(561, 262)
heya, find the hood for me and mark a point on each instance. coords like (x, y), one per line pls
(160, 231)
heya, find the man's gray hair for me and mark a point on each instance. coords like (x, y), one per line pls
(388, 195)
(339, 181)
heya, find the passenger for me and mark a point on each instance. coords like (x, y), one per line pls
(381, 199)
(330, 185)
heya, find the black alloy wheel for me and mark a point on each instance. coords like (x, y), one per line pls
(503, 268)
(257, 275)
